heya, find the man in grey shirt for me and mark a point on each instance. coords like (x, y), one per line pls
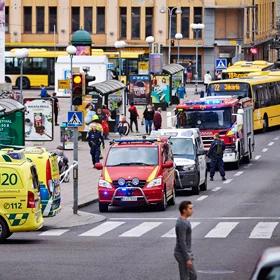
(183, 249)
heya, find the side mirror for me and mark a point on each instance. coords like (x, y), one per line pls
(98, 166)
(168, 164)
(201, 152)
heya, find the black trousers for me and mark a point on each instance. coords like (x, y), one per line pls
(133, 121)
(55, 116)
(217, 163)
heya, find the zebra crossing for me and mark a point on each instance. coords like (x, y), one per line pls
(166, 230)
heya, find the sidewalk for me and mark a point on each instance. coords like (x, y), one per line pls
(88, 176)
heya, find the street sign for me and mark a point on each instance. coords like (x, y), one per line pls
(63, 84)
(75, 119)
(221, 63)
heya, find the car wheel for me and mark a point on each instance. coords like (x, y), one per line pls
(103, 207)
(203, 187)
(25, 83)
(163, 204)
(4, 230)
(196, 188)
(173, 198)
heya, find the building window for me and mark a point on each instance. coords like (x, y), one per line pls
(75, 19)
(173, 22)
(100, 20)
(185, 22)
(52, 19)
(197, 18)
(40, 19)
(256, 31)
(88, 19)
(27, 25)
(135, 22)
(6, 19)
(248, 23)
(149, 21)
(123, 22)
(273, 15)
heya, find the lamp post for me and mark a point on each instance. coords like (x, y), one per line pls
(21, 54)
(178, 37)
(71, 50)
(150, 40)
(170, 12)
(119, 45)
(196, 27)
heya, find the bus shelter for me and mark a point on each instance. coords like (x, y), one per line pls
(12, 132)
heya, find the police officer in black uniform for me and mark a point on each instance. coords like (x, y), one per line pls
(95, 139)
(215, 153)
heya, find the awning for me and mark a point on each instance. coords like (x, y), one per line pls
(172, 68)
(108, 87)
(8, 106)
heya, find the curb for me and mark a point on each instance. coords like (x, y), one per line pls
(87, 203)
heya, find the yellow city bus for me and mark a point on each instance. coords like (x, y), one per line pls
(264, 90)
(38, 68)
(241, 69)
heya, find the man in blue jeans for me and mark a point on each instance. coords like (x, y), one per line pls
(149, 118)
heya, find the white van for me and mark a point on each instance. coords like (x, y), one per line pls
(189, 158)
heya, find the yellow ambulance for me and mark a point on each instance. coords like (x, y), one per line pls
(20, 207)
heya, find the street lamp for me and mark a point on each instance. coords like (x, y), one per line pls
(178, 37)
(170, 11)
(150, 40)
(21, 54)
(120, 45)
(71, 50)
(196, 27)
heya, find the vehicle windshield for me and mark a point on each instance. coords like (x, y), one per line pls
(228, 89)
(269, 273)
(183, 147)
(126, 156)
(214, 119)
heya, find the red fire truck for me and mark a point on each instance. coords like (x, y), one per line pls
(231, 117)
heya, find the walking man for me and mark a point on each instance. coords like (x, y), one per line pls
(133, 116)
(148, 115)
(157, 119)
(95, 139)
(215, 153)
(55, 107)
(183, 249)
(207, 80)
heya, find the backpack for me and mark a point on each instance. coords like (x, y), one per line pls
(219, 148)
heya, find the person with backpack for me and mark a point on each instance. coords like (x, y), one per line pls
(215, 153)
(133, 116)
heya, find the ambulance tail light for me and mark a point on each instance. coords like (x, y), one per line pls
(48, 175)
(30, 200)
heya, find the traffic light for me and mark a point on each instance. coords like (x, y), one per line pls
(88, 79)
(77, 87)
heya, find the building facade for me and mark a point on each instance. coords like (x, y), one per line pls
(231, 30)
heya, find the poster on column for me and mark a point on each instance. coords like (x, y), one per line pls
(139, 89)
(38, 119)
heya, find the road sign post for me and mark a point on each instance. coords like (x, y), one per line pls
(75, 119)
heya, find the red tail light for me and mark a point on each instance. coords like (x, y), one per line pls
(48, 174)
(30, 200)
(229, 140)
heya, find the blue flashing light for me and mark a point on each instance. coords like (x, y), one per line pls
(105, 193)
(205, 102)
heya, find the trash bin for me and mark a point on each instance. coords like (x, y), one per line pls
(66, 137)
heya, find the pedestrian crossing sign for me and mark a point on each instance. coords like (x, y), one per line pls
(75, 119)
(221, 63)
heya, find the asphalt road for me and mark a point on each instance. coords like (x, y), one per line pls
(234, 221)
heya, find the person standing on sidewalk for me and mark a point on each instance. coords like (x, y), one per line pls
(207, 80)
(157, 119)
(55, 107)
(183, 249)
(133, 116)
(216, 153)
(95, 139)
(181, 91)
(148, 115)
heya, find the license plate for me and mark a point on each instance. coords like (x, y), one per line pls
(129, 198)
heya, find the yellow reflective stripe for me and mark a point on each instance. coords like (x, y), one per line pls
(153, 174)
(107, 176)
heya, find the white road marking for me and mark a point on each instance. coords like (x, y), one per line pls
(276, 138)
(258, 157)
(238, 173)
(264, 150)
(248, 165)
(102, 229)
(263, 230)
(227, 181)
(270, 143)
(141, 229)
(221, 230)
(197, 218)
(54, 232)
(202, 197)
(216, 189)
(171, 233)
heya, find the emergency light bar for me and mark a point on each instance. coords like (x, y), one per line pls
(205, 102)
